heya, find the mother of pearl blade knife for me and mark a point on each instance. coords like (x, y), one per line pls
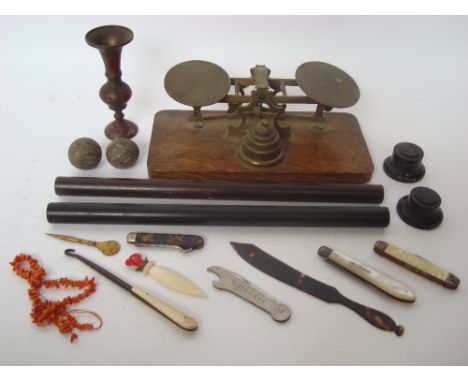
(376, 278)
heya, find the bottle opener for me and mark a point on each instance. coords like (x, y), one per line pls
(239, 286)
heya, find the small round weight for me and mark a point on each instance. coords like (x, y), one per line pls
(122, 153)
(84, 153)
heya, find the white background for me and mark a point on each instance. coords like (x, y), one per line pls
(413, 77)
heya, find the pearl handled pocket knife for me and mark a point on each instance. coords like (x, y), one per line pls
(417, 264)
(376, 278)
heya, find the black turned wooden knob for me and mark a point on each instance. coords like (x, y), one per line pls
(405, 164)
(421, 208)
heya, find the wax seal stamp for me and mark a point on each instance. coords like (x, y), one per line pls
(84, 153)
(405, 164)
(421, 208)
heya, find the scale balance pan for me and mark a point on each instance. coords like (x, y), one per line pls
(197, 83)
(327, 84)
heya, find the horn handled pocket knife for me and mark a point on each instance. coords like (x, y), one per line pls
(186, 243)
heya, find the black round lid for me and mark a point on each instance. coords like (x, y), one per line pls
(408, 151)
(421, 208)
(405, 164)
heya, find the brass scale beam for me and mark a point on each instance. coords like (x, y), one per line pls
(266, 90)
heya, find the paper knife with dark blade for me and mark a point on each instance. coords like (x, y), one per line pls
(283, 272)
(175, 315)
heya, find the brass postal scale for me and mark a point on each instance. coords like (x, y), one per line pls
(256, 138)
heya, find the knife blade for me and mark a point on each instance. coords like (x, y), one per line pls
(173, 280)
(287, 274)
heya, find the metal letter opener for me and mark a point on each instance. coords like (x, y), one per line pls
(239, 286)
(108, 248)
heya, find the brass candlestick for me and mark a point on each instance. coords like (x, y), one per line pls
(109, 40)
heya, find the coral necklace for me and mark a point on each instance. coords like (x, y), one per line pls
(46, 312)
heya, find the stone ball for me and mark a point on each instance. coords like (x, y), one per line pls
(122, 153)
(84, 153)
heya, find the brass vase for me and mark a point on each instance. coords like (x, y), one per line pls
(109, 40)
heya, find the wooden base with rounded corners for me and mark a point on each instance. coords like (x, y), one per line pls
(331, 150)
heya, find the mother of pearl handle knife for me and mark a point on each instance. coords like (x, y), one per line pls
(417, 264)
(380, 280)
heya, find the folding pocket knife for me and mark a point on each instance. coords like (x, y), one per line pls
(374, 277)
(186, 243)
